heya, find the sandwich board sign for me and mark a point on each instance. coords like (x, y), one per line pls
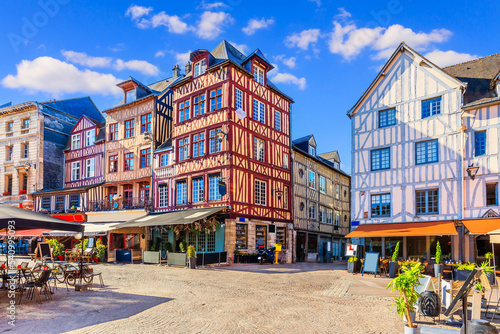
(351, 250)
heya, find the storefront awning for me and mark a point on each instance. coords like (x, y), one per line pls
(172, 218)
(90, 230)
(482, 226)
(25, 233)
(413, 229)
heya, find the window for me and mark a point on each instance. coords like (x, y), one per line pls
(46, 202)
(129, 161)
(163, 196)
(90, 168)
(181, 111)
(427, 201)
(146, 123)
(312, 150)
(183, 149)
(213, 191)
(9, 128)
(74, 201)
(113, 163)
(329, 216)
(260, 192)
(322, 214)
(479, 143)
(145, 158)
(216, 99)
(199, 105)
(164, 160)
(8, 186)
(381, 205)
(130, 96)
(427, 151)
(199, 67)
(277, 120)
(9, 150)
(431, 107)
(75, 142)
(259, 152)
(24, 184)
(285, 161)
(241, 236)
(25, 150)
(491, 193)
(337, 218)
(312, 180)
(129, 128)
(198, 190)
(25, 125)
(381, 159)
(59, 203)
(144, 192)
(285, 199)
(258, 74)
(238, 99)
(322, 184)
(199, 144)
(214, 142)
(337, 191)
(259, 111)
(113, 132)
(312, 211)
(260, 234)
(90, 138)
(181, 192)
(75, 171)
(281, 236)
(386, 118)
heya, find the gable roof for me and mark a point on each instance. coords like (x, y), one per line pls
(76, 107)
(333, 155)
(259, 54)
(304, 139)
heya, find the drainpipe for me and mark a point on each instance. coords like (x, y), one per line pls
(461, 234)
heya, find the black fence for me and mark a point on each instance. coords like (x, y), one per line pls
(202, 259)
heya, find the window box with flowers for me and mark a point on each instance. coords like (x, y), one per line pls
(6, 193)
(22, 192)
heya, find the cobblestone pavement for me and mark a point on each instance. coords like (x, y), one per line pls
(298, 298)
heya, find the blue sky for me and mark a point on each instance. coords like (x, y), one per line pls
(326, 52)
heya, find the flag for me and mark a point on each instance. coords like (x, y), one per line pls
(240, 113)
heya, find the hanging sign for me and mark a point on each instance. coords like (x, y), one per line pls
(222, 188)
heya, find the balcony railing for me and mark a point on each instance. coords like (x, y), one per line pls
(124, 204)
(15, 198)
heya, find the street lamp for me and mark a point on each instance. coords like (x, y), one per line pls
(472, 171)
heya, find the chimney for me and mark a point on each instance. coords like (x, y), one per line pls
(188, 68)
(177, 71)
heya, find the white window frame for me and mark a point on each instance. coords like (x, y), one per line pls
(322, 214)
(312, 150)
(164, 160)
(286, 160)
(258, 74)
(311, 180)
(277, 120)
(337, 218)
(259, 111)
(75, 139)
(75, 171)
(163, 196)
(322, 184)
(260, 192)
(312, 211)
(259, 147)
(238, 99)
(337, 191)
(90, 138)
(90, 168)
(200, 67)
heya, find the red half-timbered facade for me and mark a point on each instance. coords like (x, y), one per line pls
(232, 126)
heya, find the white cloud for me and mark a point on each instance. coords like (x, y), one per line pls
(182, 58)
(210, 6)
(212, 23)
(254, 25)
(317, 2)
(173, 23)
(141, 66)
(160, 54)
(343, 15)
(447, 58)
(55, 77)
(136, 12)
(83, 59)
(303, 39)
(290, 62)
(348, 41)
(287, 78)
(241, 47)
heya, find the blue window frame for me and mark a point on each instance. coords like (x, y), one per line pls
(427, 201)
(181, 192)
(426, 152)
(198, 190)
(479, 143)
(213, 193)
(431, 107)
(381, 159)
(277, 120)
(381, 205)
(386, 117)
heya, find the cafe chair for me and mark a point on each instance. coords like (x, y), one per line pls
(35, 288)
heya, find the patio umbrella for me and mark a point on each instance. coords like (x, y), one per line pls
(494, 239)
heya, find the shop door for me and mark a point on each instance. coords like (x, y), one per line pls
(301, 247)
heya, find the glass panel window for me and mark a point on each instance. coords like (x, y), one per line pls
(281, 236)
(144, 192)
(238, 99)
(258, 74)
(381, 205)
(260, 192)
(216, 99)
(426, 151)
(337, 191)
(74, 201)
(259, 111)
(337, 218)
(187, 110)
(113, 163)
(183, 148)
(198, 190)
(199, 105)
(329, 216)
(431, 107)
(75, 142)
(381, 159)
(322, 184)
(60, 203)
(427, 201)
(163, 196)
(164, 160)
(479, 143)
(312, 211)
(8, 186)
(181, 192)
(9, 153)
(386, 118)
(75, 171)
(25, 124)
(491, 193)
(312, 150)
(200, 67)
(9, 127)
(130, 96)
(312, 180)
(198, 144)
(145, 158)
(215, 144)
(181, 111)
(90, 138)
(260, 234)
(213, 193)
(129, 161)
(46, 203)
(146, 123)
(129, 128)
(285, 161)
(277, 120)
(25, 150)
(285, 199)
(241, 236)
(322, 214)
(113, 132)
(90, 168)
(259, 149)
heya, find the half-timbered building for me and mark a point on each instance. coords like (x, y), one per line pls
(231, 149)
(321, 197)
(425, 156)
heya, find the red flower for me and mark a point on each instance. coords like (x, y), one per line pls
(22, 192)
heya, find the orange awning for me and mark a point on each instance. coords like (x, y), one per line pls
(413, 229)
(482, 226)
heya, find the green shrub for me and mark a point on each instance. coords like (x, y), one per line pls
(466, 266)
(438, 253)
(191, 252)
(395, 255)
(487, 268)
(167, 246)
(489, 255)
(100, 249)
(153, 248)
(183, 247)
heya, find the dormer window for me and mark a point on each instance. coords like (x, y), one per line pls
(130, 96)
(258, 74)
(312, 150)
(199, 67)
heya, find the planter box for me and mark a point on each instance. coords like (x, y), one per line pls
(438, 269)
(393, 269)
(177, 259)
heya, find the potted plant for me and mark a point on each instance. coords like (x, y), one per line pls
(438, 267)
(488, 270)
(22, 192)
(463, 271)
(73, 209)
(5, 193)
(100, 251)
(351, 264)
(191, 254)
(394, 264)
(405, 295)
(57, 248)
(183, 247)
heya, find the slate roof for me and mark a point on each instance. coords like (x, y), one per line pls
(479, 74)
(76, 107)
(302, 139)
(166, 145)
